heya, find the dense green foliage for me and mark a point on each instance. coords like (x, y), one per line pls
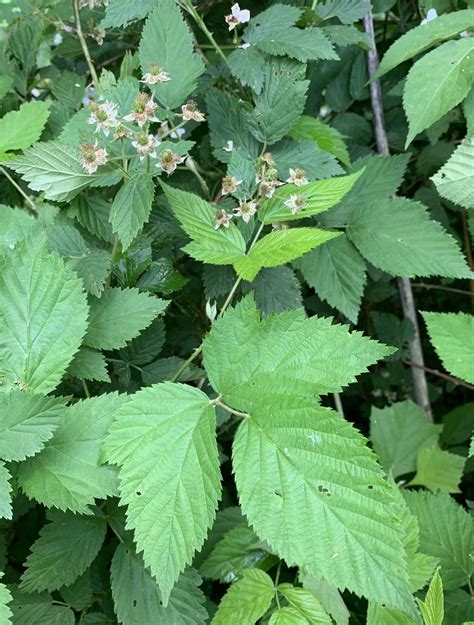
(207, 408)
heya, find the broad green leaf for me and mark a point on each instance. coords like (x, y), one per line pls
(89, 364)
(438, 470)
(34, 608)
(453, 338)
(304, 155)
(27, 421)
(279, 247)
(319, 196)
(306, 604)
(383, 615)
(276, 289)
(425, 36)
(298, 465)
(468, 110)
(119, 316)
(328, 595)
(167, 42)
(455, 180)
(336, 271)
(248, 360)
(424, 101)
(53, 168)
(67, 473)
(137, 597)
(247, 65)
(43, 314)
(92, 212)
(347, 11)
(5, 493)
(164, 441)
(287, 616)
(432, 608)
(5, 84)
(20, 129)
(246, 601)
(65, 548)
(197, 217)
(5, 599)
(398, 432)
(15, 224)
(446, 533)
(119, 12)
(131, 207)
(343, 36)
(328, 138)
(397, 236)
(244, 170)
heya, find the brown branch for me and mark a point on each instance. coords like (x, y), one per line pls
(439, 374)
(439, 287)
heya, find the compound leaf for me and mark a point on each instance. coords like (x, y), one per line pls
(247, 599)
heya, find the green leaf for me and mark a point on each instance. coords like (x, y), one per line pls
(167, 42)
(453, 338)
(446, 533)
(5, 495)
(328, 595)
(53, 168)
(197, 217)
(65, 548)
(164, 441)
(319, 196)
(15, 224)
(119, 12)
(67, 474)
(438, 470)
(425, 36)
(455, 180)
(6, 83)
(287, 616)
(20, 129)
(398, 432)
(305, 155)
(306, 604)
(119, 316)
(424, 102)
(276, 289)
(247, 66)
(432, 608)
(336, 271)
(5, 612)
(27, 422)
(43, 314)
(246, 601)
(293, 477)
(347, 11)
(137, 597)
(131, 207)
(279, 247)
(89, 364)
(327, 138)
(244, 170)
(397, 236)
(282, 355)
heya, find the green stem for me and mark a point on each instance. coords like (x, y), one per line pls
(29, 202)
(237, 413)
(82, 39)
(188, 6)
(86, 388)
(113, 256)
(277, 580)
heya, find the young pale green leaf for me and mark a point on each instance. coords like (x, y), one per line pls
(27, 422)
(89, 364)
(65, 548)
(425, 36)
(319, 196)
(278, 248)
(336, 271)
(247, 599)
(287, 616)
(424, 101)
(164, 441)
(119, 12)
(446, 533)
(453, 338)
(20, 129)
(5, 612)
(328, 139)
(397, 236)
(432, 608)
(328, 595)
(167, 42)
(131, 207)
(119, 316)
(398, 432)
(53, 168)
(67, 473)
(197, 217)
(318, 473)
(5, 492)
(347, 11)
(437, 469)
(248, 360)
(306, 604)
(43, 312)
(455, 180)
(137, 597)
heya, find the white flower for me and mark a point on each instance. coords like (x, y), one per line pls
(244, 46)
(35, 93)
(237, 16)
(190, 111)
(145, 145)
(246, 210)
(143, 110)
(229, 147)
(155, 75)
(230, 184)
(92, 156)
(222, 219)
(58, 38)
(104, 116)
(430, 16)
(296, 203)
(169, 161)
(297, 177)
(174, 134)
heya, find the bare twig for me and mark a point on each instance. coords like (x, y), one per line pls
(29, 202)
(404, 285)
(439, 287)
(439, 374)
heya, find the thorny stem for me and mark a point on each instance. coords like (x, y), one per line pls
(82, 39)
(29, 202)
(188, 6)
(404, 285)
(439, 374)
